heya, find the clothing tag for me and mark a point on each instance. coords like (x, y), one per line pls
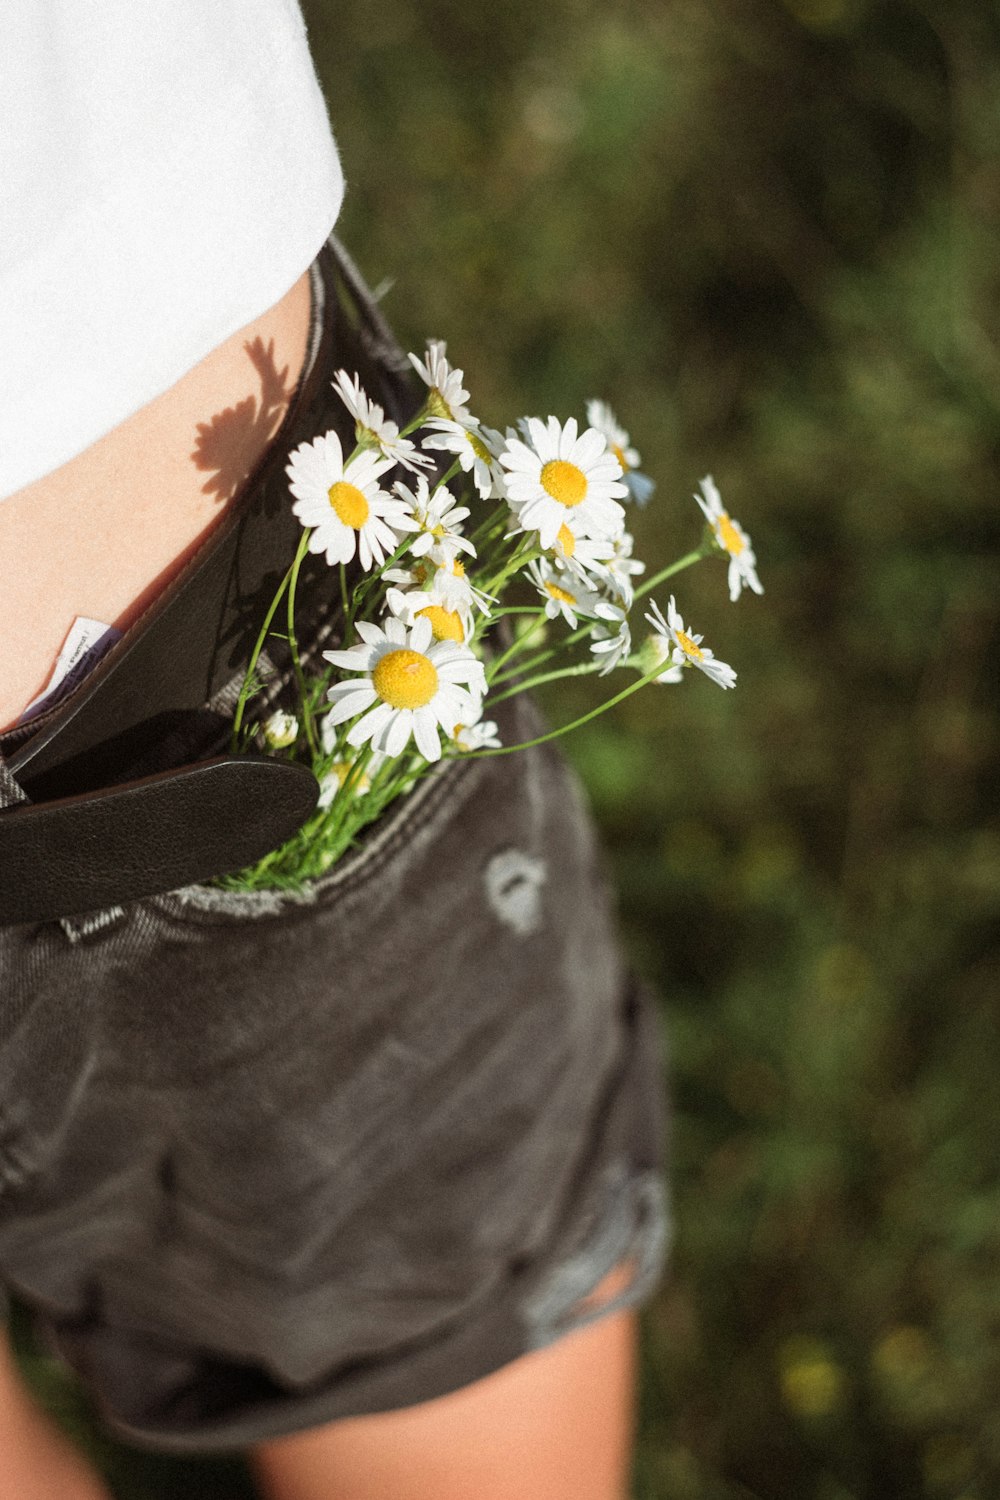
(88, 640)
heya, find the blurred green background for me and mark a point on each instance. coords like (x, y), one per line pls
(766, 232)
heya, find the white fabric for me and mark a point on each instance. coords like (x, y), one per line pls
(167, 173)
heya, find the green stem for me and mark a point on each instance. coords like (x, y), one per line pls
(447, 477)
(581, 669)
(519, 643)
(342, 801)
(254, 658)
(541, 657)
(494, 521)
(594, 713)
(366, 584)
(293, 645)
(521, 559)
(685, 562)
(418, 420)
(516, 609)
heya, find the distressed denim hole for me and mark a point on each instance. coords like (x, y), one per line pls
(514, 883)
(616, 1267)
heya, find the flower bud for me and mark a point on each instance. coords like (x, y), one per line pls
(281, 730)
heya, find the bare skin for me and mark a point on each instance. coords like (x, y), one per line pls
(100, 537)
(36, 1461)
(555, 1424)
(103, 534)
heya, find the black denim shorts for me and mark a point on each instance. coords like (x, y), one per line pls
(267, 1160)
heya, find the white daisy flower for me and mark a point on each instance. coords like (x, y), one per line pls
(457, 590)
(657, 651)
(477, 734)
(601, 563)
(583, 555)
(438, 519)
(332, 781)
(686, 649)
(447, 579)
(640, 486)
(730, 536)
(330, 736)
(447, 398)
(280, 730)
(450, 584)
(343, 504)
(476, 449)
(611, 637)
(413, 686)
(558, 479)
(447, 624)
(372, 428)
(419, 575)
(621, 567)
(563, 594)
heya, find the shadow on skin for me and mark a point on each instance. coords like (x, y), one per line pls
(228, 447)
(229, 444)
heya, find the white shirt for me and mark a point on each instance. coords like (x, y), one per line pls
(167, 172)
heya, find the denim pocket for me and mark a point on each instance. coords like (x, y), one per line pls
(414, 818)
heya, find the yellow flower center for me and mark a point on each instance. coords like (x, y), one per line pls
(445, 623)
(688, 646)
(349, 504)
(341, 769)
(560, 594)
(437, 405)
(405, 679)
(458, 568)
(564, 482)
(479, 448)
(566, 540)
(619, 453)
(729, 536)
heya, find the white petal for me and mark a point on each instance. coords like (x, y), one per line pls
(373, 634)
(426, 736)
(347, 705)
(394, 738)
(368, 726)
(420, 635)
(354, 659)
(589, 447)
(518, 455)
(311, 516)
(366, 552)
(333, 453)
(711, 493)
(339, 544)
(537, 435)
(567, 438)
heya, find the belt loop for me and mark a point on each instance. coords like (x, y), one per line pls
(10, 793)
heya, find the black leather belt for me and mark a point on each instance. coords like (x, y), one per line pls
(102, 822)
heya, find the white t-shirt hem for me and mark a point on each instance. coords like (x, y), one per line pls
(180, 249)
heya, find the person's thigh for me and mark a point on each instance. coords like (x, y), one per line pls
(555, 1424)
(36, 1460)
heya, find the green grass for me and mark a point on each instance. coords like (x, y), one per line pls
(766, 233)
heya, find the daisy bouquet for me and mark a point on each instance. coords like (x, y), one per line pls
(482, 564)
